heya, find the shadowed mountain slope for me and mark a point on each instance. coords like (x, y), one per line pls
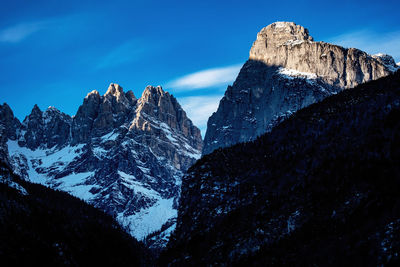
(43, 227)
(320, 189)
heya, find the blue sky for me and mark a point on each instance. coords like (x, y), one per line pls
(54, 52)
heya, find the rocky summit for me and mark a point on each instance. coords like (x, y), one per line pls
(121, 154)
(287, 70)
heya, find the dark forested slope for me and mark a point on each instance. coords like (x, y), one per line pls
(322, 188)
(43, 227)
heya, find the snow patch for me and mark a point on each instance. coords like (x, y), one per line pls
(190, 152)
(291, 222)
(150, 219)
(99, 152)
(52, 160)
(280, 24)
(291, 74)
(75, 185)
(138, 187)
(175, 139)
(294, 42)
(111, 136)
(47, 157)
(168, 133)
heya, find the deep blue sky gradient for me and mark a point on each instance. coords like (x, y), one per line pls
(55, 52)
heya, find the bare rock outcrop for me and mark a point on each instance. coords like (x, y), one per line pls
(45, 129)
(286, 70)
(162, 124)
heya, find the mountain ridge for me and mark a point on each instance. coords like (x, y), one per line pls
(123, 155)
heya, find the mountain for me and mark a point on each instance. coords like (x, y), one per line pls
(43, 227)
(286, 71)
(123, 155)
(320, 189)
(8, 125)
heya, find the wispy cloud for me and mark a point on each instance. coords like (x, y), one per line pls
(206, 78)
(200, 108)
(371, 42)
(19, 32)
(121, 54)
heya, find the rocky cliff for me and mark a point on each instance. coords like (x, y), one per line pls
(286, 71)
(118, 153)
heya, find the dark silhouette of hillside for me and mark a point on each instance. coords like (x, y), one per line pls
(52, 228)
(321, 189)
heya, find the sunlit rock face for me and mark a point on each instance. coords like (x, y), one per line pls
(286, 70)
(121, 154)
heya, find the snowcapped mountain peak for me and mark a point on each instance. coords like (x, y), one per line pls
(122, 155)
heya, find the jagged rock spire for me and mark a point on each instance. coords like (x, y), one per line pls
(114, 89)
(162, 106)
(10, 123)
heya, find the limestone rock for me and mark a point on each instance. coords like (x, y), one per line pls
(8, 130)
(286, 70)
(10, 123)
(83, 120)
(45, 129)
(123, 155)
(162, 124)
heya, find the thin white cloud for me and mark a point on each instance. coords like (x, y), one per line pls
(200, 108)
(19, 32)
(371, 42)
(126, 52)
(206, 78)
